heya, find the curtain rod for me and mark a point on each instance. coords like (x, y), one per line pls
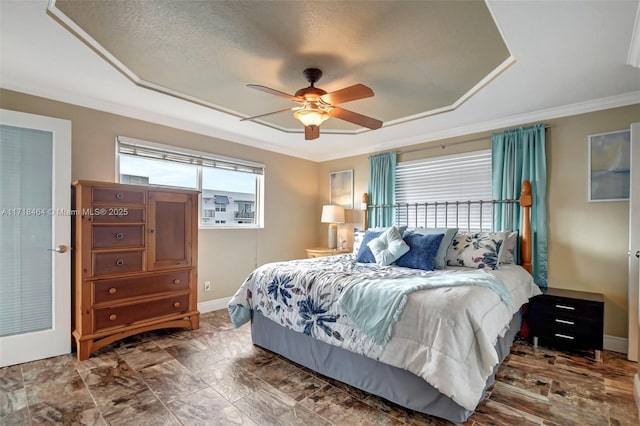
(443, 146)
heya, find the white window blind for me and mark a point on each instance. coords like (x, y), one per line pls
(451, 178)
(144, 149)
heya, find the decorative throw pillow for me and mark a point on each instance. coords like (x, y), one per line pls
(508, 248)
(364, 252)
(423, 251)
(476, 250)
(388, 246)
(358, 235)
(358, 239)
(447, 239)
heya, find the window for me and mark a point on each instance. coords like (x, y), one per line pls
(458, 177)
(231, 191)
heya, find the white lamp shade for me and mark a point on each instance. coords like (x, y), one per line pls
(332, 214)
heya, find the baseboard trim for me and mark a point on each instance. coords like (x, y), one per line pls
(636, 391)
(616, 344)
(213, 305)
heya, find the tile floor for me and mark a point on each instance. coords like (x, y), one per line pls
(215, 376)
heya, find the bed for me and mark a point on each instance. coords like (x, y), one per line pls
(424, 338)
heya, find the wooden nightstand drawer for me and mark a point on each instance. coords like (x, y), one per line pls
(570, 308)
(323, 251)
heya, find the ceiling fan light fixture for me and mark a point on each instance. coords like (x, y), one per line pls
(311, 117)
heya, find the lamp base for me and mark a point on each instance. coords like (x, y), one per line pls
(333, 236)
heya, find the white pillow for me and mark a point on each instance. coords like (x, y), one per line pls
(358, 236)
(388, 247)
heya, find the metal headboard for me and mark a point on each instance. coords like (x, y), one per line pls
(525, 201)
(456, 214)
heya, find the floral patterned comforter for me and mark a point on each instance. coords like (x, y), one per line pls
(451, 348)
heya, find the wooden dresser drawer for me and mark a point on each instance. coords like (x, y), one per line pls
(113, 290)
(118, 195)
(105, 236)
(105, 318)
(111, 214)
(119, 262)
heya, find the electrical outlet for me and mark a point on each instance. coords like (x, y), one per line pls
(207, 286)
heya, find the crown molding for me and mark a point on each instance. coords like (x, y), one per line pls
(514, 120)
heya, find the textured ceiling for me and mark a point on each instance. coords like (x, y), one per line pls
(419, 57)
(567, 58)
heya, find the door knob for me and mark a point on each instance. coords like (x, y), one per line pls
(60, 249)
(636, 254)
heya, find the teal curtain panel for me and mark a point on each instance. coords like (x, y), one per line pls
(517, 155)
(382, 188)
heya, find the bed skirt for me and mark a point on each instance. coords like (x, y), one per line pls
(392, 383)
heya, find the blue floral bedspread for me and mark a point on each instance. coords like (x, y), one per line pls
(445, 335)
(302, 295)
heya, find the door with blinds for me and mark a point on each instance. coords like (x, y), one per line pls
(35, 232)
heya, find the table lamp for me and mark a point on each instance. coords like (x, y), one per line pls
(332, 214)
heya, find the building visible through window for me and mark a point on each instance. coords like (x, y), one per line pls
(231, 190)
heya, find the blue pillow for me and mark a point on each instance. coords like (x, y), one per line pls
(449, 235)
(365, 255)
(422, 253)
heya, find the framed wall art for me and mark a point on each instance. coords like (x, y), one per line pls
(341, 188)
(609, 166)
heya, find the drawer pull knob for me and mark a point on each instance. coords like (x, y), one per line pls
(176, 281)
(119, 195)
(151, 231)
(565, 322)
(119, 262)
(112, 317)
(568, 308)
(112, 290)
(563, 336)
(176, 304)
(119, 235)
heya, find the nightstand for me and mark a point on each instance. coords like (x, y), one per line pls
(325, 251)
(568, 319)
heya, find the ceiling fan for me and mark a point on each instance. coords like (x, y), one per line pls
(316, 105)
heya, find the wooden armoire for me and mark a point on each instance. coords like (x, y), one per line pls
(134, 261)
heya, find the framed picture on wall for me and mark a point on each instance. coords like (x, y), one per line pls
(609, 166)
(341, 188)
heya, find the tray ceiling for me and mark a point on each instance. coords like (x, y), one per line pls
(421, 58)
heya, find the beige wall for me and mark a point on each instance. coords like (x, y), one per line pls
(226, 257)
(588, 242)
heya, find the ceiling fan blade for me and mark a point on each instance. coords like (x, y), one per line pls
(355, 118)
(310, 133)
(269, 113)
(351, 93)
(275, 92)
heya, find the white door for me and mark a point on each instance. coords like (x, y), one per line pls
(35, 234)
(634, 243)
